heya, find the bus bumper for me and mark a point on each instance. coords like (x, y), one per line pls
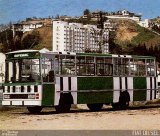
(21, 103)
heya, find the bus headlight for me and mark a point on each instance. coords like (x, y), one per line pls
(6, 96)
(31, 96)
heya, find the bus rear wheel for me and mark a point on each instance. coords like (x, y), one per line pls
(35, 109)
(124, 100)
(115, 106)
(63, 108)
(95, 107)
(123, 103)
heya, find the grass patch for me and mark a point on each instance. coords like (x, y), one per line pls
(144, 35)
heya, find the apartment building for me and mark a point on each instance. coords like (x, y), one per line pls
(76, 37)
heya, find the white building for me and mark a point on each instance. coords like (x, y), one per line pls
(144, 23)
(25, 27)
(134, 18)
(76, 37)
(124, 14)
(110, 25)
(2, 67)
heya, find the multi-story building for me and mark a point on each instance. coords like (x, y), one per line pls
(76, 37)
(110, 25)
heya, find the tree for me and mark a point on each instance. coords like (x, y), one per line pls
(30, 40)
(86, 12)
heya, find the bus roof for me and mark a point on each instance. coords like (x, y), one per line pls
(23, 51)
(83, 54)
(44, 50)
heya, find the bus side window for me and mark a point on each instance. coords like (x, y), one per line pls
(101, 72)
(47, 70)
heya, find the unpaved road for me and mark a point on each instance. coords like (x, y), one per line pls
(107, 119)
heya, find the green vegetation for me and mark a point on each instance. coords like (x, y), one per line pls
(37, 39)
(144, 36)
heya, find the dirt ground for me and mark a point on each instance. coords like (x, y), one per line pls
(141, 118)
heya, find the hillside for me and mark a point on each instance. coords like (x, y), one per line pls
(130, 33)
(45, 41)
(125, 39)
(36, 39)
(127, 34)
(155, 20)
(44, 36)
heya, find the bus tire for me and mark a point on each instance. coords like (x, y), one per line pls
(95, 107)
(63, 108)
(124, 100)
(65, 102)
(115, 106)
(35, 109)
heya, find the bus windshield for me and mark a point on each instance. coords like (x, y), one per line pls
(22, 70)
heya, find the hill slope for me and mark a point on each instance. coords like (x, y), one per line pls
(129, 32)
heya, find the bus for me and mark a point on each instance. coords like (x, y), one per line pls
(36, 79)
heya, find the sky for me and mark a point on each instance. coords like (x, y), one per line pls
(18, 10)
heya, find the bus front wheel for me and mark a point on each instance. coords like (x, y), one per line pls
(95, 107)
(63, 108)
(35, 109)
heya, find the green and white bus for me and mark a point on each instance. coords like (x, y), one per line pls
(36, 79)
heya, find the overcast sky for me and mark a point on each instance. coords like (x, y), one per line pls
(14, 10)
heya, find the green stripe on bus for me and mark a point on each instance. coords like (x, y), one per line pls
(140, 85)
(94, 83)
(48, 95)
(94, 97)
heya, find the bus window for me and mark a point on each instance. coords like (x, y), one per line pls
(100, 66)
(124, 66)
(132, 67)
(56, 65)
(29, 70)
(47, 70)
(108, 66)
(85, 65)
(121, 66)
(9, 72)
(23, 70)
(150, 67)
(66, 65)
(70, 65)
(90, 66)
(81, 68)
